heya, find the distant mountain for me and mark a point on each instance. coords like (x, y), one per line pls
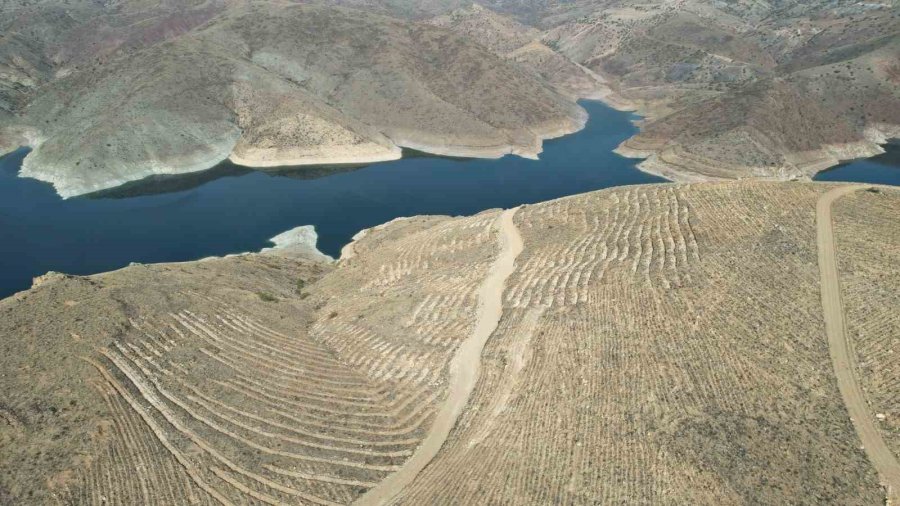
(737, 89)
(773, 89)
(109, 92)
(729, 89)
(265, 84)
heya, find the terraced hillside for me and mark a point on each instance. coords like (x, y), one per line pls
(655, 344)
(243, 391)
(868, 253)
(677, 334)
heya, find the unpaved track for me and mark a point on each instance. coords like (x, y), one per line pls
(464, 367)
(842, 355)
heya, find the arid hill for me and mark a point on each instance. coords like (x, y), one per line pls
(111, 92)
(653, 344)
(729, 89)
(264, 84)
(523, 45)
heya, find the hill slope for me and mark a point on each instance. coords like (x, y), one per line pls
(278, 84)
(657, 343)
(729, 89)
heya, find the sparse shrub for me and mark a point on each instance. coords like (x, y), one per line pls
(266, 297)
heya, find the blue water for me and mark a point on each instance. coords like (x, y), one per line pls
(881, 169)
(229, 209)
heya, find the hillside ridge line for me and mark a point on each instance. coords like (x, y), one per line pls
(464, 368)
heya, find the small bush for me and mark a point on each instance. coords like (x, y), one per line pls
(300, 285)
(266, 297)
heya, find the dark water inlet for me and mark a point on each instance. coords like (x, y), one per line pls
(881, 169)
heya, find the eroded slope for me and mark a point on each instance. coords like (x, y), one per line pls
(271, 84)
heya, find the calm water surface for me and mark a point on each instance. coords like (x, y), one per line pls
(881, 169)
(229, 209)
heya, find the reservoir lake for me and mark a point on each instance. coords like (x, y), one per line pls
(880, 169)
(230, 209)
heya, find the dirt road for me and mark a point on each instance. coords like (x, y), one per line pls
(464, 367)
(842, 355)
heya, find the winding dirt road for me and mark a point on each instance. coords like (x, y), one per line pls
(464, 368)
(842, 355)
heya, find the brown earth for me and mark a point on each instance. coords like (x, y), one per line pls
(845, 362)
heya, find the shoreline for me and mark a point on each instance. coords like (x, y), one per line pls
(213, 154)
(672, 163)
(658, 160)
(661, 158)
(272, 162)
(298, 242)
(185, 164)
(301, 241)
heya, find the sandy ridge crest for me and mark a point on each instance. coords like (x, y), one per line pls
(464, 368)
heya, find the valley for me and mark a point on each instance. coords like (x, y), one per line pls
(449, 252)
(235, 210)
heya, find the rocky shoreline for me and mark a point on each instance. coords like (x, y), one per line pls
(660, 158)
(349, 155)
(669, 160)
(68, 186)
(672, 162)
(526, 143)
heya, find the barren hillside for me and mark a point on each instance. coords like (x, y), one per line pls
(729, 89)
(522, 44)
(655, 344)
(111, 92)
(775, 90)
(264, 84)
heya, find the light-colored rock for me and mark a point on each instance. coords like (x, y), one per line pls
(297, 242)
